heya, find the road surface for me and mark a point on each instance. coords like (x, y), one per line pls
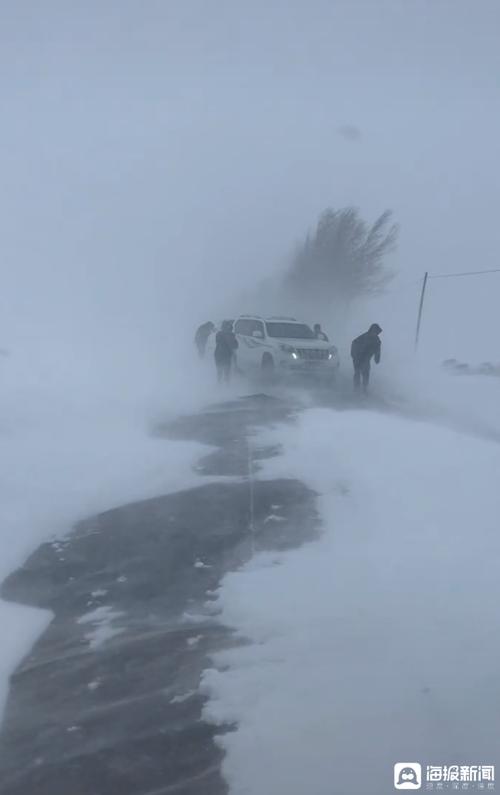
(107, 701)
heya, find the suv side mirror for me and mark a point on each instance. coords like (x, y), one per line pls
(258, 334)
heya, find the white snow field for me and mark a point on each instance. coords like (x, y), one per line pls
(467, 403)
(379, 642)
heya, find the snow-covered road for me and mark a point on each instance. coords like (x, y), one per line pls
(374, 643)
(377, 643)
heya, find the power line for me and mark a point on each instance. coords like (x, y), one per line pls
(428, 276)
(466, 273)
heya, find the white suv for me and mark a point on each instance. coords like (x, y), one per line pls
(282, 344)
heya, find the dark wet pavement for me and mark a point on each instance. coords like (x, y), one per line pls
(125, 717)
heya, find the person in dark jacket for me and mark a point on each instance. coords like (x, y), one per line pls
(319, 333)
(225, 348)
(201, 337)
(363, 349)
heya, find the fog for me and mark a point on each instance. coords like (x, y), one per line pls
(160, 162)
(159, 157)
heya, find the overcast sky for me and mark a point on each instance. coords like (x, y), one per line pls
(156, 152)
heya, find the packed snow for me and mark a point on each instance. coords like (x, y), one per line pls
(379, 641)
(101, 621)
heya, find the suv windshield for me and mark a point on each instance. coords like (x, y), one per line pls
(295, 331)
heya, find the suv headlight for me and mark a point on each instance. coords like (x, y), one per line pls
(291, 350)
(332, 352)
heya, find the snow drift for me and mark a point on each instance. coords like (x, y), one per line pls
(379, 642)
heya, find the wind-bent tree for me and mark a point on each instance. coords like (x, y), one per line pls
(343, 259)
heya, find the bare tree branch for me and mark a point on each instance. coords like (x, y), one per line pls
(344, 258)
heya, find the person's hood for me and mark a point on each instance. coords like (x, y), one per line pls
(374, 329)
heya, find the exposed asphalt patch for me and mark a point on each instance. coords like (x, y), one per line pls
(107, 702)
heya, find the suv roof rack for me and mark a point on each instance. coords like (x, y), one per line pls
(281, 317)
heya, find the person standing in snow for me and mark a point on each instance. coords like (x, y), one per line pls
(363, 349)
(201, 337)
(319, 333)
(225, 348)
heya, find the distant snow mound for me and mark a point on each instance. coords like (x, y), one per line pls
(462, 368)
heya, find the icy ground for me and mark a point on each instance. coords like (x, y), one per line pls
(71, 448)
(378, 642)
(374, 644)
(108, 699)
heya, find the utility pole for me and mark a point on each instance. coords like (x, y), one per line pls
(420, 308)
(442, 276)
